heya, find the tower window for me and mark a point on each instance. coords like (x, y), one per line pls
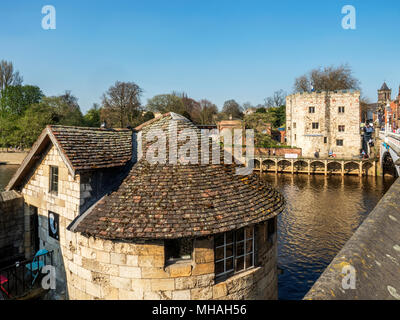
(311, 109)
(341, 128)
(325, 140)
(234, 251)
(339, 142)
(315, 125)
(178, 249)
(341, 109)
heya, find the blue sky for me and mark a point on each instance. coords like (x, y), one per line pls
(219, 50)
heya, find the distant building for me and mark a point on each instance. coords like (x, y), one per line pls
(249, 111)
(324, 121)
(394, 113)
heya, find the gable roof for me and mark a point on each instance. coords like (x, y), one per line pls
(170, 201)
(80, 148)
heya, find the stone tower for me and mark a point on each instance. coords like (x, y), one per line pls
(384, 94)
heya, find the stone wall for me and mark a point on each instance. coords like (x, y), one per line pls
(104, 269)
(299, 131)
(279, 152)
(66, 204)
(11, 225)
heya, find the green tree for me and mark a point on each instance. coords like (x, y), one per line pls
(35, 119)
(232, 109)
(278, 116)
(15, 99)
(166, 103)
(92, 117)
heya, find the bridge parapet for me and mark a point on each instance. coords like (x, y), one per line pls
(368, 266)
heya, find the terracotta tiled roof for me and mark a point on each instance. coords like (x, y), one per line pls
(162, 201)
(93, 148)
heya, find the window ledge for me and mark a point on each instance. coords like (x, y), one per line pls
(237, 275)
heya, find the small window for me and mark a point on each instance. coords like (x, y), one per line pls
(178, 249)
(234, 251)
(295, 136)
(325, 140)
(315, 125)
(294, 125)
(311, 109)
(54, 179)
(339, 142)
(341, 128)
(341, 109)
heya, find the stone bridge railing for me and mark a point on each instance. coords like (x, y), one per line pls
(316, 165)
(368, 266)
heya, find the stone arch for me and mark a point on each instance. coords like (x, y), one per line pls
(268, 164)
(317, 166)
(388, 166)
(300, 165)
(334, 166)
(351, 166)
(367, 166)
(256, 164)
(284, 164)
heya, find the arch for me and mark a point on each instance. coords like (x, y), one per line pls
(283, 164)
(317, 166)
(256, 164)
(300, 165)
(388, 166)
(351, 166)
(334, 166)
(268, 164)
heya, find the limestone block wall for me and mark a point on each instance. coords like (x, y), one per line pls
(105, 269)
(11, 225)
(65, 203)
(300, 132)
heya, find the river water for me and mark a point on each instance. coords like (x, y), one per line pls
(321, 215)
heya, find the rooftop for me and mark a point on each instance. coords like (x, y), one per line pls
(167, 201)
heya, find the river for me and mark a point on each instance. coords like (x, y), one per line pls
(321, 215)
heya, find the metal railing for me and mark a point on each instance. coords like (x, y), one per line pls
(22, 277)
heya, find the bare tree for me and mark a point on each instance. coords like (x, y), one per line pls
(121, 104)
(8, 77)
(327, 79)
(207, 111)
(278, 99)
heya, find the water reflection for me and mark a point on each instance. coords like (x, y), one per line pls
(322, 213)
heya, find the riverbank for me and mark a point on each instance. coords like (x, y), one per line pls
(12, 158)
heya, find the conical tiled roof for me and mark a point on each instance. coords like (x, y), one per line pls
(166, 201)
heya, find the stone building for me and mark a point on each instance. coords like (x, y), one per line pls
(324, 121)
(123, 228)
